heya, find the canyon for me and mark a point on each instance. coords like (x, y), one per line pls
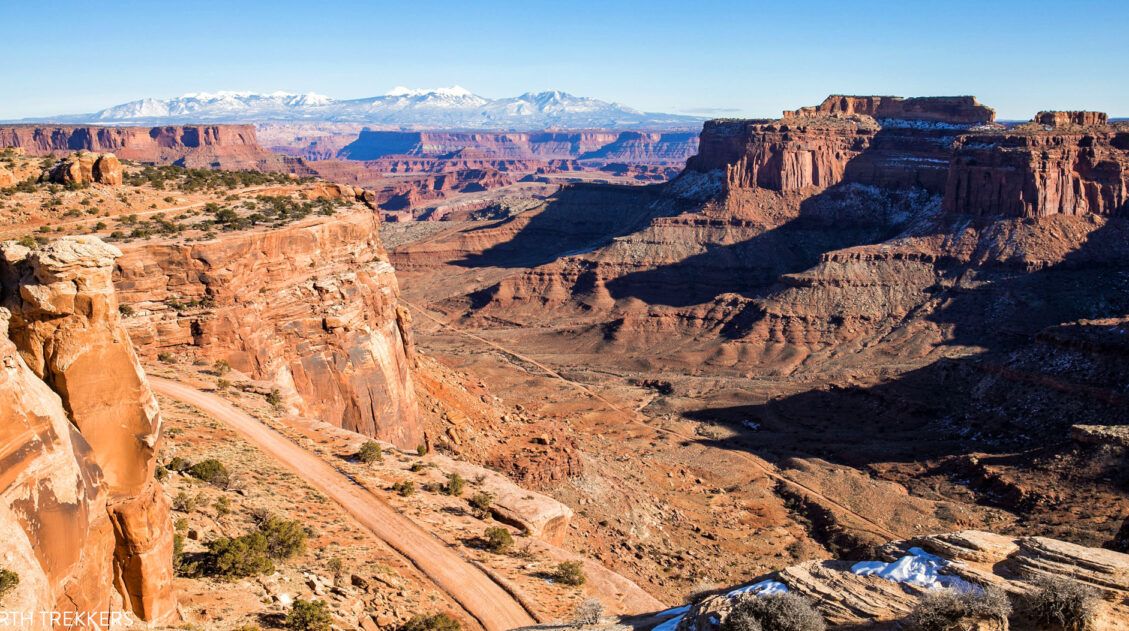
(878, 330)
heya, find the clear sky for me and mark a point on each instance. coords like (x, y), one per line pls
(701, 57)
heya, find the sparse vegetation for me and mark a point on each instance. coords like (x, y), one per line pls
(184, 503)
(309, 615)
(481, 502)
(238, 557)
(274, 398)
(779, 612)
(498, 540)
(570, 573)
(166, 358)
(221, 367)
(1062, 603)
(946, 609)
(591, 611)
(404, 488)
(125, 310)
(285, 538)
(370, 452)
(421, 450)
(454, 485)
(222, 505)
(434, 622)
(211, 471)
(8, 582)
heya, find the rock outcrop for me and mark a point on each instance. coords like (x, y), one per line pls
(85, 168)
(853, 598)
(1068, 119)
(960, 110)
(196, 146)
(311, 308)
(76, 358)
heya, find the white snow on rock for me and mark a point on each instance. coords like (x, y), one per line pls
(763, 588)
(917, 568)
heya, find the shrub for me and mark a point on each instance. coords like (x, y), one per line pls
(781, 612)
(178, 464)
(311, 615)
(421, 450)
(404, 488)
(1062, 602)
(481, 502)
(498, 539)
(240, 557)
(590, 611)
(211, 471)
(222, 384)
(570, 573)
(166, 358)
(8, 582)
(335, 565)
(160, 473)
(285, 538)
(274, 398)
(370, 452)
(125, 310)
(221, 367)
(454, 486)
(434, 622)
(183, 503)
(222, 506)
(944, 609)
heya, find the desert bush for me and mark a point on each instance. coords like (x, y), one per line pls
(404, 487)
(944, 609)
(239, 557)
(125, 310)
(370, 452)
(482, 501)
(421, 450)
(274, 398)
(211, 471)
(1062, 603)
(222, 506)
(285, 538)
(184, 503)
(178, 464)
(309, 615)
(781, 612)
(570, 573)
(8, 582)
(498, 539)
(434, 622)
(166, 358)
(454, 486)
(221, 367)
(160, 473)
(590, 611)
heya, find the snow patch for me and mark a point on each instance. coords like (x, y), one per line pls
(917, 568)
(763, 588)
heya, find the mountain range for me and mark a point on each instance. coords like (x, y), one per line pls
(445, 108)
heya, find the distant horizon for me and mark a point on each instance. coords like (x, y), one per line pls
(712, 59)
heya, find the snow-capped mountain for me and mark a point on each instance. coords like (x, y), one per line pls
(445, 108)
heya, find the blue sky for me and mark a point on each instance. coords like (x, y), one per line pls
(702, 57)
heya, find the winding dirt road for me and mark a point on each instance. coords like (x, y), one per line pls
(493, 607)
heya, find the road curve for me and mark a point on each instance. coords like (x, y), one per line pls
(493, 607)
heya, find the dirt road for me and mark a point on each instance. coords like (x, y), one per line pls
(493, 607)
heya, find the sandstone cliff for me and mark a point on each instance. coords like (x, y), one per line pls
(311, 308)
(195, 146)
(90, 428)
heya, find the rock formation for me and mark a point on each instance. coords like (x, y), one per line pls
(311, 308)
(98, 422)
(85, 168)
(846, 596)
(195, 146)
(962, 110)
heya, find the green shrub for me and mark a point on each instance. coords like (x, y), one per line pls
(8, 582)
(370, 452)
(160, 473)
(310, 615)
(779, 612)
(404, 487)
(166, 358)
(222, 506)
(421, 450)
(211, 471)
(454, 486)
(243, 556)
(178, 464)
(945, 609)
(570, 573)
(434, 622)
(1062, 603)
(125, 310)
(482, 501)
(184, 503)
(498, 539)
(274, 398)
(285, 538)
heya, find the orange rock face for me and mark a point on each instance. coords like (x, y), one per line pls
(195, 146)
(311, 308)
(947, 109)
(66, 327)
(86, 168)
